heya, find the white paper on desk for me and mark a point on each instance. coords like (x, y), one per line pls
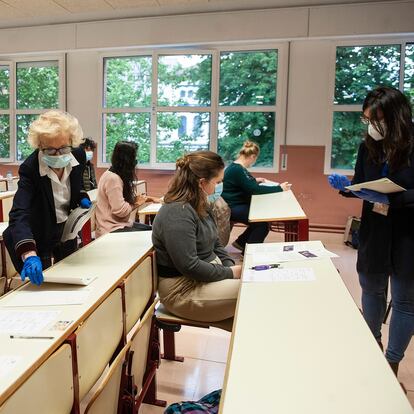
(383, 185)
(150, 208)
(291, 256)
(47, 298)
(76, 220)
(14, 322)
(69, 280)
(269, 183)
(298, 274)
(7, 363)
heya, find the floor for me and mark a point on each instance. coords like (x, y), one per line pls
(205, 350)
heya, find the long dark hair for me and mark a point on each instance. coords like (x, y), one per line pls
(185, 185)
(124, 159)
(393, 108)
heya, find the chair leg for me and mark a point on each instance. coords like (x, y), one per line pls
(169, 347)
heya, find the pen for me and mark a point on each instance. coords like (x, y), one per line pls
(30, 337)
(265, 267)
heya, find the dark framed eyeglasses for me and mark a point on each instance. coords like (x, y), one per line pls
(57, 151)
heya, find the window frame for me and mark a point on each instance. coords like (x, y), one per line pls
(279, 108)
(359, 42)
(13, 61)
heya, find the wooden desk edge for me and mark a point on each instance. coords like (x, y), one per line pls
(275, 219)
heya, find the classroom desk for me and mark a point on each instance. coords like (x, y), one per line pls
(148, 210)
(6, 202)
(304, 347)
(281, 208)
(110, 258)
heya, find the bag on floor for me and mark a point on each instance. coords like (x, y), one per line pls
(209, 404)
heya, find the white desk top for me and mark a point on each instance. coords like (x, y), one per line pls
(275, 207)
(303, 347)
(151, 208)
(7, 194)
(109, 258)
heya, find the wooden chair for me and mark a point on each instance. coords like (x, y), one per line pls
(94, 343)
(49, 390)
(107, 399)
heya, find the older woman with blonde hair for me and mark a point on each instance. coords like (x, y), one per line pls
(50, 185)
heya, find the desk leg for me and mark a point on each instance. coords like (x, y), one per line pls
(303, 230)
(86, 233)
(1, 211)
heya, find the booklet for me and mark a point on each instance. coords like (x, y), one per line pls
(76, 220)
(383, 185)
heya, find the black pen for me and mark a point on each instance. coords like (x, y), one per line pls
(30, 337)
(266, 267)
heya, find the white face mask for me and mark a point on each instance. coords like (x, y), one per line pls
(374, 134)
(89, 155)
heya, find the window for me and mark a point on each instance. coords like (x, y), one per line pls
(360, 69)
(27, 88)
(173, 102)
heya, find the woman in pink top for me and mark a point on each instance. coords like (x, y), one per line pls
(116, 193)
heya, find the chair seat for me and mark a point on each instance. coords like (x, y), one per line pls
(163, 315)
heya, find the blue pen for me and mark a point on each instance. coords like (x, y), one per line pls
(265, 267)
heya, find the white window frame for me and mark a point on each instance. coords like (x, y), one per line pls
(377, 41)
(214, 109)
(13, 111)
(9, 111)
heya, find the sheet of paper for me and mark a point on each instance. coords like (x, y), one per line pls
(383, 185)
(269, 183)
(75, 280)
(47, 298)
(14, 322)
(298, 274)
(150, 208)
(7, 363)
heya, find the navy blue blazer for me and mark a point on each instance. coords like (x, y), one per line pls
(32, 219)
(386, 243)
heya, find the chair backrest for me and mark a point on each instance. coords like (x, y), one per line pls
(138, 291)
(49, 390)
(139, 346)
(97, 339)
(106, 398)
(7, 205)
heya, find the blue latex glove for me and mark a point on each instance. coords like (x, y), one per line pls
(339, 182)
(32, 268)
(372, 196)
(85, 203)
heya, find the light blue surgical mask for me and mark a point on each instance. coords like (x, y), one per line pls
(57, 161)
(212, 198)
(89, 155)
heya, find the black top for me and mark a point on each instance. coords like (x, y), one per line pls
(386, 243)
(32, 219)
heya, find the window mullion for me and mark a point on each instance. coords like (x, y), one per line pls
(215, 85)
(154, 109)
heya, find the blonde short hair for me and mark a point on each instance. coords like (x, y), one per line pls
(249, 148)
(53, 123)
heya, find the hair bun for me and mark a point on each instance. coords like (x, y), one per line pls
(248, 144)
(182, 162)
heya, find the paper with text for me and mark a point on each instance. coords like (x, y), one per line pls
(383, 185)
(298, 274)
(13, 322)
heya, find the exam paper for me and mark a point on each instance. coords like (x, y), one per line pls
(383, 185)
(7, 363)
(47, 298)
(13, 322)
(70, 280)
(298, 274)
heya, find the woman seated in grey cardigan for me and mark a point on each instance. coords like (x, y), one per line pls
(197, 278)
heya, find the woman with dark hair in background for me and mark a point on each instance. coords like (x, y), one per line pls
(386, 236)
(89, 179)
(116, 192)
(196, 276)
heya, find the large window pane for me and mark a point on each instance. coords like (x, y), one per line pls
(130, 127)
(4, 136)
(348, 131)
(4, 87)
(37, 85)
(361, 69)
(180, 132)
(248, 78)
(237, 127)
(127, 82)
(23, 147)
(409, 71)
(184, 80)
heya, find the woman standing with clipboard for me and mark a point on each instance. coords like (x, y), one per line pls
(386, 236)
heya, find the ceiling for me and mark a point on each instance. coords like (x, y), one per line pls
(19, 13)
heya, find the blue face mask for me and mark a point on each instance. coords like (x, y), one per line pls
(212, 198)
(57, 161)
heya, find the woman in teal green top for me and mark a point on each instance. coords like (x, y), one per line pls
(239, 186)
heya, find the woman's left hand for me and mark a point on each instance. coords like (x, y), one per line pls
(286, 186)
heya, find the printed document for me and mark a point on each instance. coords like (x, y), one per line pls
(14, 322)
(383, 185)
(298, 274)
